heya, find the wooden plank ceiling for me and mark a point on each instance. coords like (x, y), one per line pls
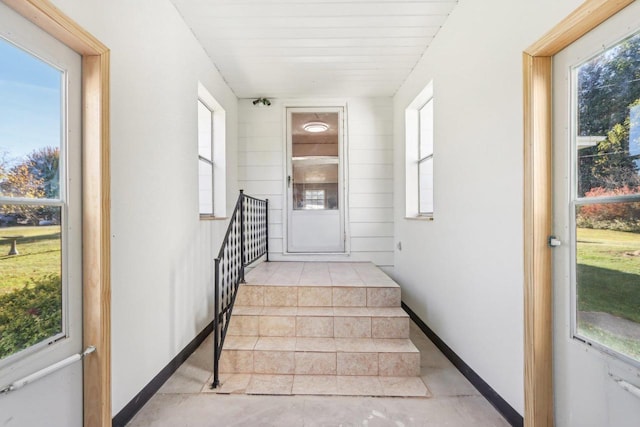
(311, 48)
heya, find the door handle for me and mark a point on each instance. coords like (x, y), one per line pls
(288, 181)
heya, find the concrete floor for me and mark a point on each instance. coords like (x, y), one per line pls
(185, 401)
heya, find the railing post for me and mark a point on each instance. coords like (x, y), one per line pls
(266, 228)
(242, 260)
(216, 324)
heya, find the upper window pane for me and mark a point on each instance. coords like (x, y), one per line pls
(205, 131)
(426, 129)
(31, 124)
(608, 121)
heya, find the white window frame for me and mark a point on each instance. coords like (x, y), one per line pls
(413, 157)
(59, 57)
(206, 160)
(218, 155)
(576, 201)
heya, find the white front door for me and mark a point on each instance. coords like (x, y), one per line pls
(315, 196)
(597, 224)
(40, 225)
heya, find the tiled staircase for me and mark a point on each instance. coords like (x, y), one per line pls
(330, 322)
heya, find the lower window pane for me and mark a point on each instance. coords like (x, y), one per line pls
(608, 275)
(425, 178)
(205, 187)
(31, 280)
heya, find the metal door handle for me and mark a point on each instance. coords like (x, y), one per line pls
(288, 181)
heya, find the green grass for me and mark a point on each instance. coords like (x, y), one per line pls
(608, 281)
(622, 345)
(608, 272)
(39, 256)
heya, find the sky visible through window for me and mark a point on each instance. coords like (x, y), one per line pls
(30, 103)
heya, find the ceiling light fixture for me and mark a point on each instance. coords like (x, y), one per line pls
(315, 127)
(261, 102)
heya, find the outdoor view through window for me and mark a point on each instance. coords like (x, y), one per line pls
(607, 199)
(31, 117)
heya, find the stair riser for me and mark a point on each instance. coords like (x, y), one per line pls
(310, 296)
(318, 327)
(320, 363)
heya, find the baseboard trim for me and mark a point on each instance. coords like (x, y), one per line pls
(511, 415)
(132, 408)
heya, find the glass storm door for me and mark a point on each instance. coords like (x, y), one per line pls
(315, 220)
(40, 224)
(597, 224)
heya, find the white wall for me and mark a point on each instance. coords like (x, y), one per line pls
(262, 142)
(463, 272)
(161, 252)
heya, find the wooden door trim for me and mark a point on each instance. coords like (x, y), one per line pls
(96, 204)
(538, 290)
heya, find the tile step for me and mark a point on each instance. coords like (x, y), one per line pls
(351, 274)
(320, 356)
(336, 385)
(318, 322)
(319, 296)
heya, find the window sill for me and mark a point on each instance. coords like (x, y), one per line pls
(208, 217)
(420, 218)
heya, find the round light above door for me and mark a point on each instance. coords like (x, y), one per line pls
(315, 127)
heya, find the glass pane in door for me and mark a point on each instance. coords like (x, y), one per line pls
(31, 132)
(315, 161)
(607, 199)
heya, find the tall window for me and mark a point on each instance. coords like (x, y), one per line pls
(419, 138)
(205, 159)
(425, 159)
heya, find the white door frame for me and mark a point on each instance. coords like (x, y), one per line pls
(343, 171)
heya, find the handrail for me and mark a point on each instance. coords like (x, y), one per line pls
(246, 241)
(18, 384)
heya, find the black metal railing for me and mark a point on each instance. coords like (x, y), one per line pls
(246, 241)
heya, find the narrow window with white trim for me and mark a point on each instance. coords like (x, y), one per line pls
(212, 178)
(206, 164)
(419, 142)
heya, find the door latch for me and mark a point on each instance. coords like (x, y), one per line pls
(554, 242)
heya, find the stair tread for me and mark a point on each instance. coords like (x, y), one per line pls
(321, 345)
(337, 385)
(343, 274)
(248, 310)
(372, 284)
